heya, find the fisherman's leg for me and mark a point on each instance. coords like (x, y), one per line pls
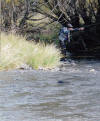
(63, 47)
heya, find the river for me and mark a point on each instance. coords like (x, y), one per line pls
(70, 94)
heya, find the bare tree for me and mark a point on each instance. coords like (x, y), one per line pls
(77, 12)
(65, 11)
(12, 13)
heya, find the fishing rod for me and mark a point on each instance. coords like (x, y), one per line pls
(87, 26)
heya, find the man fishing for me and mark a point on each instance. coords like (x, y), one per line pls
(64, 38)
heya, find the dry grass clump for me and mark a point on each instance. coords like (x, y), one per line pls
(15, 51)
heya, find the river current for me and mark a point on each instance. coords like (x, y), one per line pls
(70, 94)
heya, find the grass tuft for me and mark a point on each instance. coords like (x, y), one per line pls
(15, 51)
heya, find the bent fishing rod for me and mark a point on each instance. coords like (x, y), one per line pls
(91, 25)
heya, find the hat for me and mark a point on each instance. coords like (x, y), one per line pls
(70, 26)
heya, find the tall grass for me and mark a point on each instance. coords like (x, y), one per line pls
(15, 51)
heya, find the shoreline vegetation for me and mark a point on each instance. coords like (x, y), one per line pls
(17, 51)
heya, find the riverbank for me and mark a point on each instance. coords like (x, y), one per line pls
(16, 52)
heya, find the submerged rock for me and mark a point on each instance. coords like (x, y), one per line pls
(60, 82)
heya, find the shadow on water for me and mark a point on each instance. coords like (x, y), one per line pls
(72, 94)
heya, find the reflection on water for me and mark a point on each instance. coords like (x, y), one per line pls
(37, 95)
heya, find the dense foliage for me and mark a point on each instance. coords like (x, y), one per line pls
(17, 12)
(28, 16)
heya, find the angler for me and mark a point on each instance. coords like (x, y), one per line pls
(64, 38)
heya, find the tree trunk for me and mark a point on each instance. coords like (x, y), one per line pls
(98, 20)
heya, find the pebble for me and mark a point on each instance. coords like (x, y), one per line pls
(25, 67)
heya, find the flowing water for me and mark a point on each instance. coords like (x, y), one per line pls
(71, 94)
